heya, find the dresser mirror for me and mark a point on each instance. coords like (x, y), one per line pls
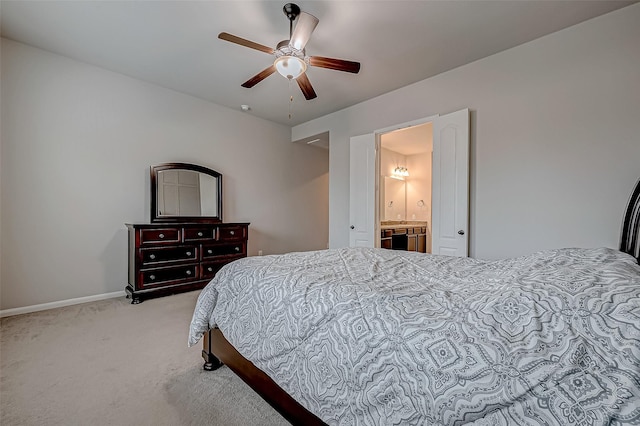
(182, 192)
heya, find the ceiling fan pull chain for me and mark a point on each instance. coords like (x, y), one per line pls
(290, 99)
(290, 106)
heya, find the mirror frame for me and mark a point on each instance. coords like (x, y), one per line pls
(173, 219)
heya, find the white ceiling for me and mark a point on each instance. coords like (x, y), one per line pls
(174, 44)
(410, 140)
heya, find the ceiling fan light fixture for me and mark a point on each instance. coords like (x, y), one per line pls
(290, 66)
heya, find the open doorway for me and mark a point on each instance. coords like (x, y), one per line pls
(405, 194)
(310, 160)
(450, 185)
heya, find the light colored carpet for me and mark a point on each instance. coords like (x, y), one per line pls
(113, 363)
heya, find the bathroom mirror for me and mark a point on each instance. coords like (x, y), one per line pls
(395, 199)
(182, 192)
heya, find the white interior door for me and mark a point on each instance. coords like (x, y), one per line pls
(362, 190)
(450, 180)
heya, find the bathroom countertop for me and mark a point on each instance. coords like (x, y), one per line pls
(402, 224)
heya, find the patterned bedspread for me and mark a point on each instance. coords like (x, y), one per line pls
(381, 337)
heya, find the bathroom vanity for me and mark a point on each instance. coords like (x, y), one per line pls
(404, 235)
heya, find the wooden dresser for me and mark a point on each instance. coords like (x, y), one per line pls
(166, 258)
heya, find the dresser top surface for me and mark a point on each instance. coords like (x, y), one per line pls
(183, 225)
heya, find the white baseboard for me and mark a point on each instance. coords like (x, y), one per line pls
(59, 304)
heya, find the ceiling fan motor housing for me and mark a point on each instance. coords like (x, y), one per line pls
(285, 49)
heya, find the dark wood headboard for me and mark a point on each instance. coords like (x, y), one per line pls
(630, 238)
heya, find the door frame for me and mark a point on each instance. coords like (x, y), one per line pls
(378, 134)
(407, 124)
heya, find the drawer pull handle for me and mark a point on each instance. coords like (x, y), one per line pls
(152, 256)
(188, 253)
(210, 269)
(232, 232)
(210, 251)
(188, 272)
(161, 236)
(152, 277)
(237, 249)
(200, 234)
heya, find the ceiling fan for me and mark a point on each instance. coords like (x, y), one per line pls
(291, 60)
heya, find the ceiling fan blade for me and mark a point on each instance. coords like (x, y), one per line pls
(334, 64)
(305, 86)
(245, 42)
(301, 34)
(259, 77)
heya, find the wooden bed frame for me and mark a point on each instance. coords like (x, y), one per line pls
(630, 236)
(217, 350)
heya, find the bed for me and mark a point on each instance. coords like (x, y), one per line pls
(372, 336)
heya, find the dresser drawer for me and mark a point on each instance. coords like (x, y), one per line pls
(164, 276)
(168, 254)
(209, 269)
(230, 233)
(160, 235)
(198, 234)
(209, 251)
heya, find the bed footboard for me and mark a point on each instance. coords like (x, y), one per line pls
(217, 350)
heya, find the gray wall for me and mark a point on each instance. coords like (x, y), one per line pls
(555, 137)
(77, 143)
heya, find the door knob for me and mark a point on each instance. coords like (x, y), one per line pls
(352, 227)
(461, 232)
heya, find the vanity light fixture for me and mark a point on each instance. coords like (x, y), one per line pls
(401, 171)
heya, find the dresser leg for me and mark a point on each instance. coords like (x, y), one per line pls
(135, 298)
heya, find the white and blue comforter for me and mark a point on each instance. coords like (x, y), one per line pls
(381, 337)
